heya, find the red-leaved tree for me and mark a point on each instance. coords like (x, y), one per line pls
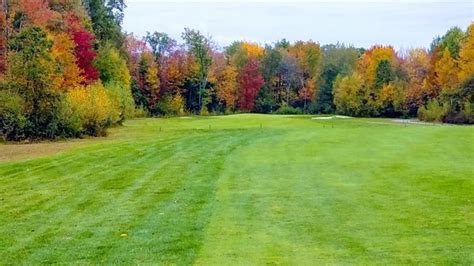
(251, 81)
(85, 54)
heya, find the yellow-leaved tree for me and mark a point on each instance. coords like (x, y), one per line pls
(349, 95)
(224, 78)
(417, 67)
(466, 56)
(68, 74)
(369, 62)
(447, 72)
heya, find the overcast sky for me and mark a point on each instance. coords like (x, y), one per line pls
(403, 24)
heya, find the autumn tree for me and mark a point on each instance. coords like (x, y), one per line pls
(349, 95)
(135, 48)
(337, 60)
(250, 81)
(68, 6)
(31, 71)
(307, 93)
(378, 66)
(68, 73)
(175, 71)
(85, 55)
(308, 59)
(417, 66)
(447, 71)
(112, 66)
(240, 52)
(368, 64)
(31, 13)
(288, 79)
(147, 91)
(269, 66)
(31, 62)
(224, 76)
(199, 47)
(466, 56)
(390, 100)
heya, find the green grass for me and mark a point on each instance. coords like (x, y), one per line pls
(244, 189)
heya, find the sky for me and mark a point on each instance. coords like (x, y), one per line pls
(404, 23)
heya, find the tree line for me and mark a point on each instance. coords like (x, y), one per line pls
(67, 70)
(435, 84)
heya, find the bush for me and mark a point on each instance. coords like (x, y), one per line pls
(12, 120)
(461, 104)
(204, 111)
(288, 110)
(120, 97)
(93, 107)
(70, 123)
(463, 116)
(140, 112)
(433, 112)
(170, 106)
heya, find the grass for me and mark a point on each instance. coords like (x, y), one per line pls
(243, 189)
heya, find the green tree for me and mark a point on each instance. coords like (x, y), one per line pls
(266, 99)
(112, 67)
(383, 74)
(269, 64)
(30, 75)
(337, 60)
(106, 17)
(159, 43)
(115, 75)
(452, 41)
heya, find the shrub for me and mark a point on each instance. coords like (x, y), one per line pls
(204, 111)
(169, 106)
(122, 101)
(463, 116)
(12, 120)
(176, 105)
(70, 123)
(433, 112)
(93, 107)
(461, 104)
(140, 112)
